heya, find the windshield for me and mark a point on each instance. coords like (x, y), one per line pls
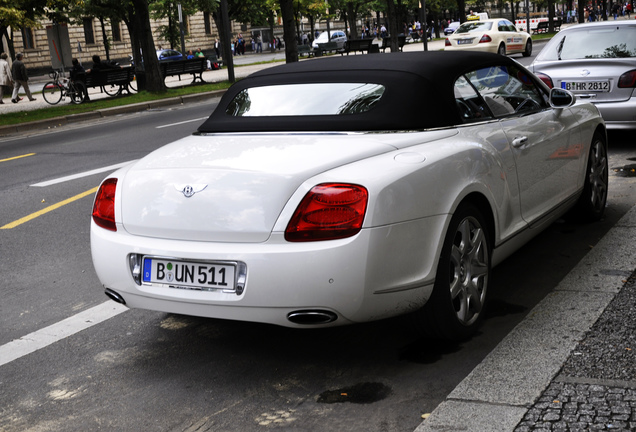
(305, 99)
(613, 42)
(474, 27)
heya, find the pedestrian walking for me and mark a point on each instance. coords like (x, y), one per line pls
(20, 79)
(6, 80)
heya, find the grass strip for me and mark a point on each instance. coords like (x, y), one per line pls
(65, 108)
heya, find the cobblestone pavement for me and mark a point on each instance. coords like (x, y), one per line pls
(596, 388)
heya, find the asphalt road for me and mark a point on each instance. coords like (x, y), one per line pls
(142, 370)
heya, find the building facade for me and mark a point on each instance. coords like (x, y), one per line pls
(88, 39)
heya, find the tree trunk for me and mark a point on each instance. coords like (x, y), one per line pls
(105, 37)
(289, 31)
(351, 13)
(226, 39)
(312, 24)
(461, 8)
(143, 33)
(550, 16)
(393, 26)
(582, 4)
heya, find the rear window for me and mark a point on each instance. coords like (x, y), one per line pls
(612, 42)
(474, 27)
(312, 99)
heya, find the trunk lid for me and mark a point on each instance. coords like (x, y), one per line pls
(233, 187)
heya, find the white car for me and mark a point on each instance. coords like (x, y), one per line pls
(496, 35)
(320, 194)
(337, 36)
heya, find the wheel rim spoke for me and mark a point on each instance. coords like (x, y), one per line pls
(469, 271)
(598, 176)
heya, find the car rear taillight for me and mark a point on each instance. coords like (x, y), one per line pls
(104, 206)
(485, 39)
(329, 211)
(627, 80)
(447, 42)
(546, 79)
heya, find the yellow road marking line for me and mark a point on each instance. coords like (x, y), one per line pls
(48, 209)
(16, 157)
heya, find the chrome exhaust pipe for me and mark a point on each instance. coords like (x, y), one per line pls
(114, 296)
(312, 317)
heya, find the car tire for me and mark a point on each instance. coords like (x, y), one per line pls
(591, 204)
(528, 51)
(501, 50)
(456, 307)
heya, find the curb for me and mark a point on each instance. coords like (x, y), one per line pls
(107, 112)
(497, 394)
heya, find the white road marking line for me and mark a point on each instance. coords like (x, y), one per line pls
(80, 175)
(180, 123)
(56, 332)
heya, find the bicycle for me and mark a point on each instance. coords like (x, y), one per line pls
(54, 91)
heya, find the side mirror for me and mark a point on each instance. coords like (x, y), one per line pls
(560, 98)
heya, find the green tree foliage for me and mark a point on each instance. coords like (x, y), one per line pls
(26, 13)
(168, 9)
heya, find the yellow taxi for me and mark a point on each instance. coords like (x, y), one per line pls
(496, 35)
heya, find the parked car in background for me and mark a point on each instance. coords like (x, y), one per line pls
(325, 193)
(169, 54)
(597, 62)
(337, 36)
(451, 28)
(496, 35)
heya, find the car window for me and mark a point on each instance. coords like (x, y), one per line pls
(511, 26)
(612, 42)
(305, 99)
(474, 27)
(502, 26)
(507, 90)
(470, 105)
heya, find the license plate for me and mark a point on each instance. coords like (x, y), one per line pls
(464, 41)
(204, 276)
(590, 86)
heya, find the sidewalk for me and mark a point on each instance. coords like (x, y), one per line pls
(571, 364)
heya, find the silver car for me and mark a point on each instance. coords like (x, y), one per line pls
(597, 62)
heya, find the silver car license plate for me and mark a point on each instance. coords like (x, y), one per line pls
(204, 276)
(586, 86)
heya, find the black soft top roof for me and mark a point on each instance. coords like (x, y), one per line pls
(419, 91)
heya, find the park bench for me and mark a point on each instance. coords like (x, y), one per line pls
(111, 81)
(354, 45)
(194, 67)
(305, 49)
(386, 42)
(326, 47)
(542, 26)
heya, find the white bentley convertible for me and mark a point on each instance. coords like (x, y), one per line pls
(344, 190)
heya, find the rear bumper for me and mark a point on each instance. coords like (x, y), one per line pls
(617, 115)
(380, 272)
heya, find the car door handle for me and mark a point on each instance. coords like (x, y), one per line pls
(519, 141)
(586, 96)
